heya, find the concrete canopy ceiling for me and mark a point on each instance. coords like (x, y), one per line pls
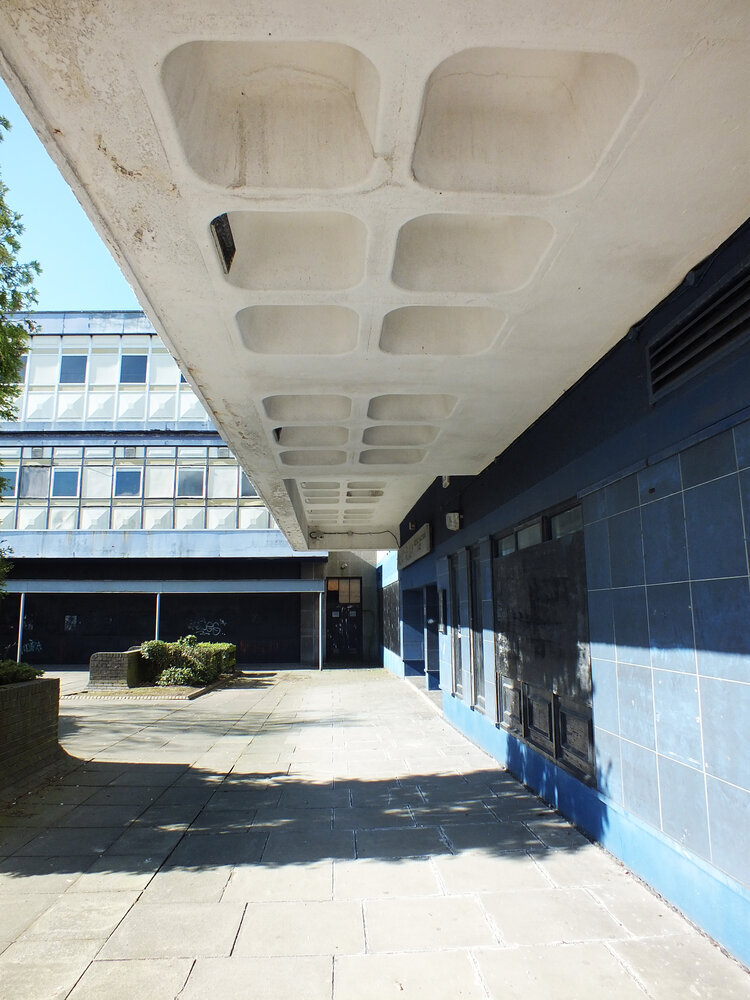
(442, 214)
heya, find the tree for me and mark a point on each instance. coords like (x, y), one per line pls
(17, 294)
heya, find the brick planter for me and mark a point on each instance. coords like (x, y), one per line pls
(116, 670)
(28, 730)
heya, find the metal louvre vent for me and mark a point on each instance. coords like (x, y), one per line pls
(720, 324)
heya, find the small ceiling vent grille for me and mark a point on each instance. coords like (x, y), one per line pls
(717, 326)
(222, 233)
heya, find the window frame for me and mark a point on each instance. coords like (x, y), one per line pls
(63, 378)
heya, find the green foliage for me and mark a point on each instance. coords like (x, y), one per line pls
(189, 662)
(17, 294)
(14, 673)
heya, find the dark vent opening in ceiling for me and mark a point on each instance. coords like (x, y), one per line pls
(222, 233)
(701, 338)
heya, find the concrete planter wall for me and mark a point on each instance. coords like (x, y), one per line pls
(28, 730)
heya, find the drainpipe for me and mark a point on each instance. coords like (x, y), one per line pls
(158, 612)
(20, 627)
(320, 630)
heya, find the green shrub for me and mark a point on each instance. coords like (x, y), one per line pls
(13, 673)
(189, 662)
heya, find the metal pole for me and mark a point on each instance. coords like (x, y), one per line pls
(158, 612)
(320, 630)
(20, 627)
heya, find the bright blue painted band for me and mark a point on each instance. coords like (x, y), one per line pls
(712, 900)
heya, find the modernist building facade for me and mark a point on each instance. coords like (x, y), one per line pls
(589, 621)
(128, 517)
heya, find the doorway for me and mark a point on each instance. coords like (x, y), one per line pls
(344, 618)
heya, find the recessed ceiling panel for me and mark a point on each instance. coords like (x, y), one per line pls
(255, 114)
(392, 456)
(411, 406)
(395, 434)
(311, 437)
(296, 330)
(520, 121)
(440, 330)
(304, 408)
(296, 251)
(469, 253)
(313, 457)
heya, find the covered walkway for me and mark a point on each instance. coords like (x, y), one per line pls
(317, 836)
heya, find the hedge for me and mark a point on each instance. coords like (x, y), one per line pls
(187, 661)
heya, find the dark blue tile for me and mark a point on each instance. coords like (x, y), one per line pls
(677, 712)
(659, 480)
(683, 806)
(640, 788)
(622, 495)
(742, 444)
(708, 460)
(596, 540)
(670, 621)
(608, 769)
(721, 611)
(631, 626)
(604, 684)
(636, 703)
(601, 625)
(715, 538)
(664, 548)
(594, 506)
(729, 821)
(745, 497)
(726, 734)
(626, 549)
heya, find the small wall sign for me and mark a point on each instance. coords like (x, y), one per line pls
(420, 544)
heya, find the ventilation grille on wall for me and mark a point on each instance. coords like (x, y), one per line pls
(718, 325)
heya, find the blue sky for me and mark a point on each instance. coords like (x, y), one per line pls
(78, 271)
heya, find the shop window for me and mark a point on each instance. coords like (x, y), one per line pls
(65, 483)
(127, 482)
(133, 368)
(190, 482)
(73, 369)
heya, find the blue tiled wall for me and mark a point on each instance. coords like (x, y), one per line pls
(669, 616)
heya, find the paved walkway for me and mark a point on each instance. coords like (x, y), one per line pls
(316, 836)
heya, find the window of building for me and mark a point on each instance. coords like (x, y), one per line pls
(65, 483)
(246, 487)
(190, 482)
(35, 482)
(133, 368)
(73, 369)
(127, 482)
(21, 377)
(8, 478)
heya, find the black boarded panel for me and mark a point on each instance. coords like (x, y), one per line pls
(541, 617)
(391, 616)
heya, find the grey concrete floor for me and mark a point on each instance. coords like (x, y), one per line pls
(315, 836)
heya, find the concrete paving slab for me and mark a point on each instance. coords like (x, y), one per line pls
(401, 842)
(18, 912)
(175, 930)
(235, 978)
(569, 915)
(427, 924)
(281, 883)
(301, 928)
(568, 972)
(117, 873)
(82, 915)
(480, 871)
(685, 966)
(373, 878)
(430, 976)
(157, 979)
(41, 970)
(183, 886)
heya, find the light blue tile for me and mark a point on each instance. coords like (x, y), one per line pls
(713, 517)
(636, 700)
(670, 622)
(596, 541)
(622, 495)
(640, 789)
(659, 480)
(729, 822)
(726, 730)
(664, 548)
(721, 611)
(683, 806)
(601, 625)
(708, 460)
(626, 549)
(604, 683)
(631, 626)
(677, 712)
(608, 770)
